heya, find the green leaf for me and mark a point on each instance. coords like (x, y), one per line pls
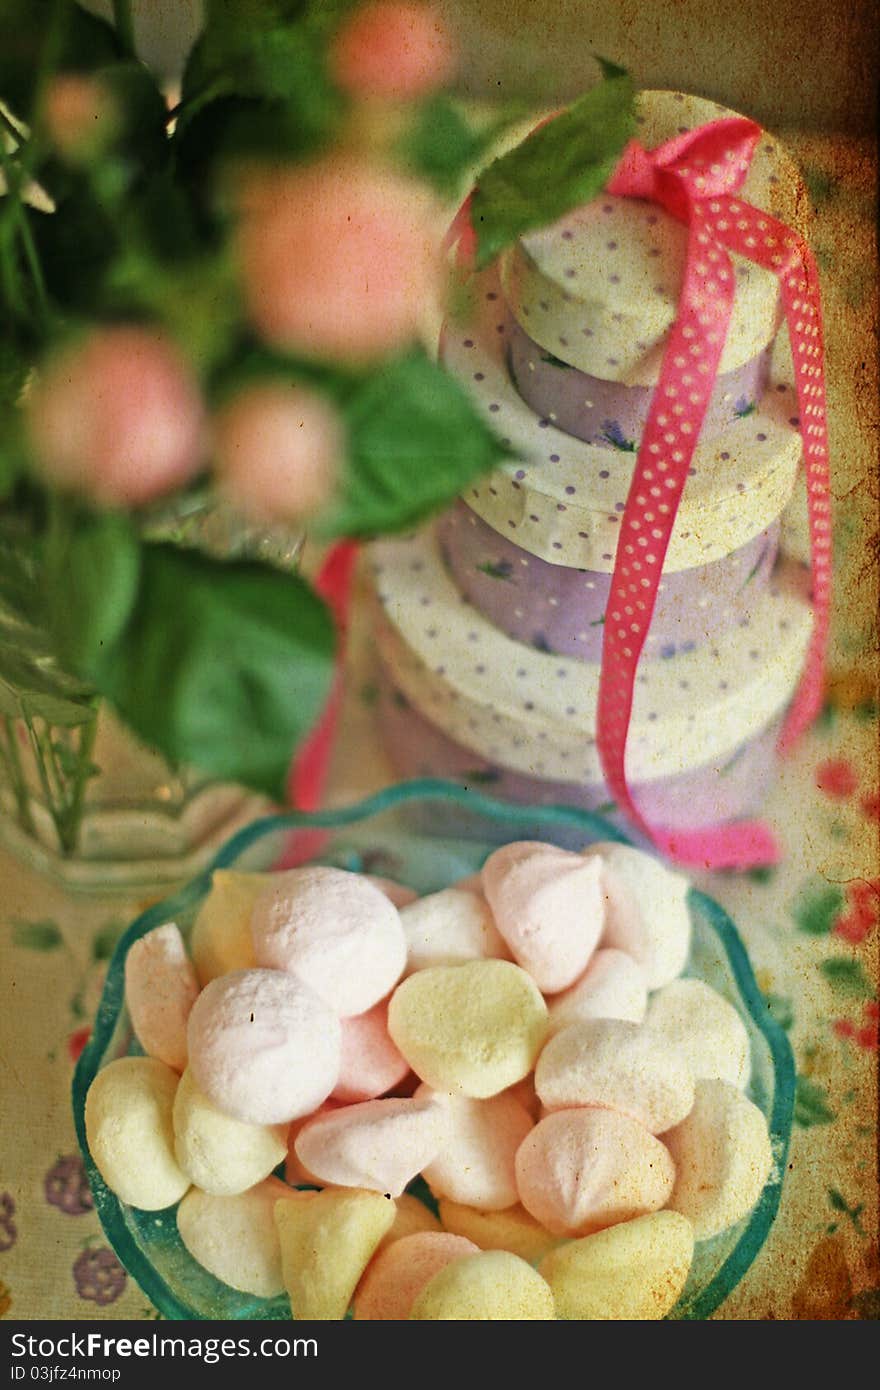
(414, 440)
(223, 666)
(847, 975)
(268, 53)
(37, 936)
(817, 908)
(564, 163)
(442, 145)
(811, 1104)
(93, 577)
(76, 245)
(839, 1203)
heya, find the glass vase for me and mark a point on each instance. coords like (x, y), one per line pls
(82, 800)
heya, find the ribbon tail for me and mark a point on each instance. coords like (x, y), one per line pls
(803, 307)
(764, 239)
(678, 408)
(742, 845)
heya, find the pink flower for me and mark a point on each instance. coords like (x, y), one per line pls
(338, 259)
(836, 778)
(277, 451)
(392, 49)
(117, 417)
(79, 114)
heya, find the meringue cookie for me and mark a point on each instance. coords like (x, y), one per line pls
(722, 1157)
(646, 912)
(295, 1173)
(222, 1156)
(448, 928)
(633, 1272)
(707, 1031)
(370, 1064)
(475, 1164)
(221, 936)
(334, 930)
(580, 1170)
(474, 1029)
(397, 1273)
(235, 1237)
(612, 986)
(379, 1145)
(327, 1240)
(160, 989)
(548, 906)
(411, 1216)
(129, 1132)
(492, 1286)
(606, 1061)
(263, 1047)
(513, 1229)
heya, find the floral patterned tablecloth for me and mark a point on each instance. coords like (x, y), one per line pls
(811, 925)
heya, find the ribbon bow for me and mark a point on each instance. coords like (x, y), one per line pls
(696, 177)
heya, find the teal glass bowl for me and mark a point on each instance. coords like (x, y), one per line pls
(426, 834)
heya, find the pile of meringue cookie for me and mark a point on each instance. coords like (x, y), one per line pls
(522, 1042)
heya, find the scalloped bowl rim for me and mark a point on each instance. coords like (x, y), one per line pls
(708, 1299)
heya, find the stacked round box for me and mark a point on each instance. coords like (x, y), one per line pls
(490, 631)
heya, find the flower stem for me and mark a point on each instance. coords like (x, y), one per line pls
(84, 772)
(15, 773)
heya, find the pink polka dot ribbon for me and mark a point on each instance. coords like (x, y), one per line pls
(695, 177)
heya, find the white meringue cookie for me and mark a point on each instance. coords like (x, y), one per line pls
(646, 911)
(609, 1062)
(379, 1145)
(263, 1046)
(707, 1031)
(475, 1165)
(722, 1157)
(336, 931)
(612, 986)
(235, 1237)
(448, 928)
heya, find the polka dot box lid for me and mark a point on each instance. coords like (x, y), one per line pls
(600, 287)
(561, 499)
(520, 707)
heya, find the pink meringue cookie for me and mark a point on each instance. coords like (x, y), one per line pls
(295, 1174)
(612, 986)
(548, 906)
(607, 1061)
(646, 911)
(263, 1046)
(160, 990)
(475, 1165)
(379, 1145)
(370, 1064)
(334, 930)
(398, 1272)
(581, 1170)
